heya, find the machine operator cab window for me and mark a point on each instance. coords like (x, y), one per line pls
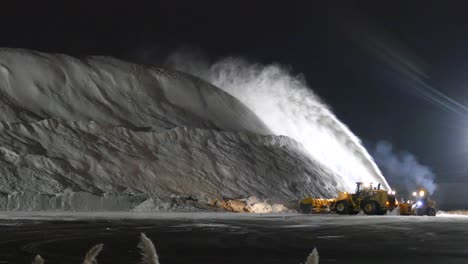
(362, 188)
(365, 188)
(358, 188)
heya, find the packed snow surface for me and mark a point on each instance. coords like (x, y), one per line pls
(103, 134)
(234, 238)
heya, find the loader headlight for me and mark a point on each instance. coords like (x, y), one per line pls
(419, 203)
(422, 193)
(393, 192)
(414, 194)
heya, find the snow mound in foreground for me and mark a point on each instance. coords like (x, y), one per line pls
(461, 213)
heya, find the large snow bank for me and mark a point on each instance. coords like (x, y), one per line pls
(36, 86)
(102, 134)
(50, 155)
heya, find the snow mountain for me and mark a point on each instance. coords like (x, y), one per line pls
(103, 134)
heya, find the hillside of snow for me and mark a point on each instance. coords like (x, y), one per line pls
(36, 86)
(61, 159)
(103, 134)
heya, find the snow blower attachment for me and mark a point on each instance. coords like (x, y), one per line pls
(421, 205)
(371, 200)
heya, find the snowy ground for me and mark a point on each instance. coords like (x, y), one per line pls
(234, 238)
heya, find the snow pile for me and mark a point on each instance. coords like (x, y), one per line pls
(251, 205)
(85, 163)
(255, 205)
(102, 134)
(260, 208)
(36, 86)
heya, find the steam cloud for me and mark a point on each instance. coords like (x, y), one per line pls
(403, 170)
(288, 107)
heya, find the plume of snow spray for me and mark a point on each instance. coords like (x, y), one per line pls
(403, 169)
(288, 107)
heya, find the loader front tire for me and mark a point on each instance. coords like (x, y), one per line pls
(369, 208)
(430, 211)
(342, 207)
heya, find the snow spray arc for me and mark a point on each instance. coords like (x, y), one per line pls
(288, 107)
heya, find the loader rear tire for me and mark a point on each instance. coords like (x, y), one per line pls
(342, 207)
(431, 211)
(369, 208)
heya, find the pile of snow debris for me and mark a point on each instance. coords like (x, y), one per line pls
(453, 213)
(149, 254)
(250, 205)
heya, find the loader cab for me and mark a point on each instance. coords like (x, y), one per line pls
(365, 189)
(362, 189)
(423, 205)
(358, 187)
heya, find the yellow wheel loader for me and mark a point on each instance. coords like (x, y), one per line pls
(371, 200)
(421, 205)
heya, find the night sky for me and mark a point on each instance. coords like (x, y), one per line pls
(389, 69)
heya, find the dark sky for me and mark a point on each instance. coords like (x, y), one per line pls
(333, 45)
